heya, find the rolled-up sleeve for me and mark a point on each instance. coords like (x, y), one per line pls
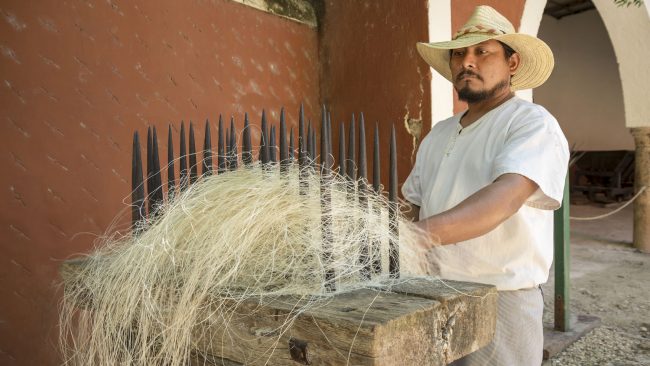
(536, 149)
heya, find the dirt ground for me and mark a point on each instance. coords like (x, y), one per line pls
(611, 280)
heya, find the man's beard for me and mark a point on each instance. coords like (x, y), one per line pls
(471, 96)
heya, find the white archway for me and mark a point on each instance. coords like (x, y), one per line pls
(584, 92)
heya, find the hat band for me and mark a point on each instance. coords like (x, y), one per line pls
(478, 29)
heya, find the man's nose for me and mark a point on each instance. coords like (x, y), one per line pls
(469, 60)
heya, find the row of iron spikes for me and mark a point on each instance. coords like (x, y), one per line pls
(224, 161)
(346, 167)
(269, 147)
(375, 266)
(347, 163)
(229, 160)
(368, 267)
(154, 178)
(153, 166)
(350, 173)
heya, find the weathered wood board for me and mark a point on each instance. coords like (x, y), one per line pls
(417, 322)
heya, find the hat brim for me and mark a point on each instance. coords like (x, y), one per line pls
(536, 58)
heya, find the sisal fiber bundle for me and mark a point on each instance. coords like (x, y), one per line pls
(232, 237)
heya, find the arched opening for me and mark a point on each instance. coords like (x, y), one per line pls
(584, 92)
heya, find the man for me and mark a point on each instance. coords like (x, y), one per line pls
(485, 181)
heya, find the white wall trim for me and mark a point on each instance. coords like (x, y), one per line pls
(442, 95)
(531, 18)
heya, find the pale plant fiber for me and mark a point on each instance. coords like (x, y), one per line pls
(229, 238)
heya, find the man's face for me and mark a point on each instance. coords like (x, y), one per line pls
(481, 72)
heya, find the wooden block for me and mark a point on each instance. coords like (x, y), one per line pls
(470, 310)
(417, 322)
(556, 341)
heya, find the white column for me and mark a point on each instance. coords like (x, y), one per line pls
(442, 94)
(531, 17)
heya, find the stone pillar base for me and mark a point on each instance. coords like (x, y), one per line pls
(641, 179)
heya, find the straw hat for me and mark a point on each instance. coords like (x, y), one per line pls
(486, 23)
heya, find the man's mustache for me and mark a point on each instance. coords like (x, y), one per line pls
(468, 73)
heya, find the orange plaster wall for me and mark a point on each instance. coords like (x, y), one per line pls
(370, 65)
(461, 10)
(76, 78)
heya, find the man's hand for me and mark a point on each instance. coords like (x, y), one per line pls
(481, 212)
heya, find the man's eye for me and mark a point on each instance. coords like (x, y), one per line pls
(457, 53)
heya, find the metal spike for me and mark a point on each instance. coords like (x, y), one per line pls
(342, 159)
(227, 155)
(351, 173)
(155, 159)
(273, 156)
(207, 150)
(376, 173)
(329, 135)
(393, 249)
(310, 142)
(247, 150)
(325, 153)
(171, 178)
(313, 146)
(138, 213)
(149, 168)
(232, 152)
(324, 135)
(156, 196)
(302, 154)
(302, 139)
(264, 140)
(363, 162)
(183, 172)
(221, 155)
(193, 166)
(292, 148)
(376, 187)
(282, 136)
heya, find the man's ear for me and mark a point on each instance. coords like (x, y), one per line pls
(513, 63)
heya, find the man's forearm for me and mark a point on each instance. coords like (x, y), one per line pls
(480, 212)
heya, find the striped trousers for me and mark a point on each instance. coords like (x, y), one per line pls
(519, 336)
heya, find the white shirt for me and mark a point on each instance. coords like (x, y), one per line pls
(454, 162)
